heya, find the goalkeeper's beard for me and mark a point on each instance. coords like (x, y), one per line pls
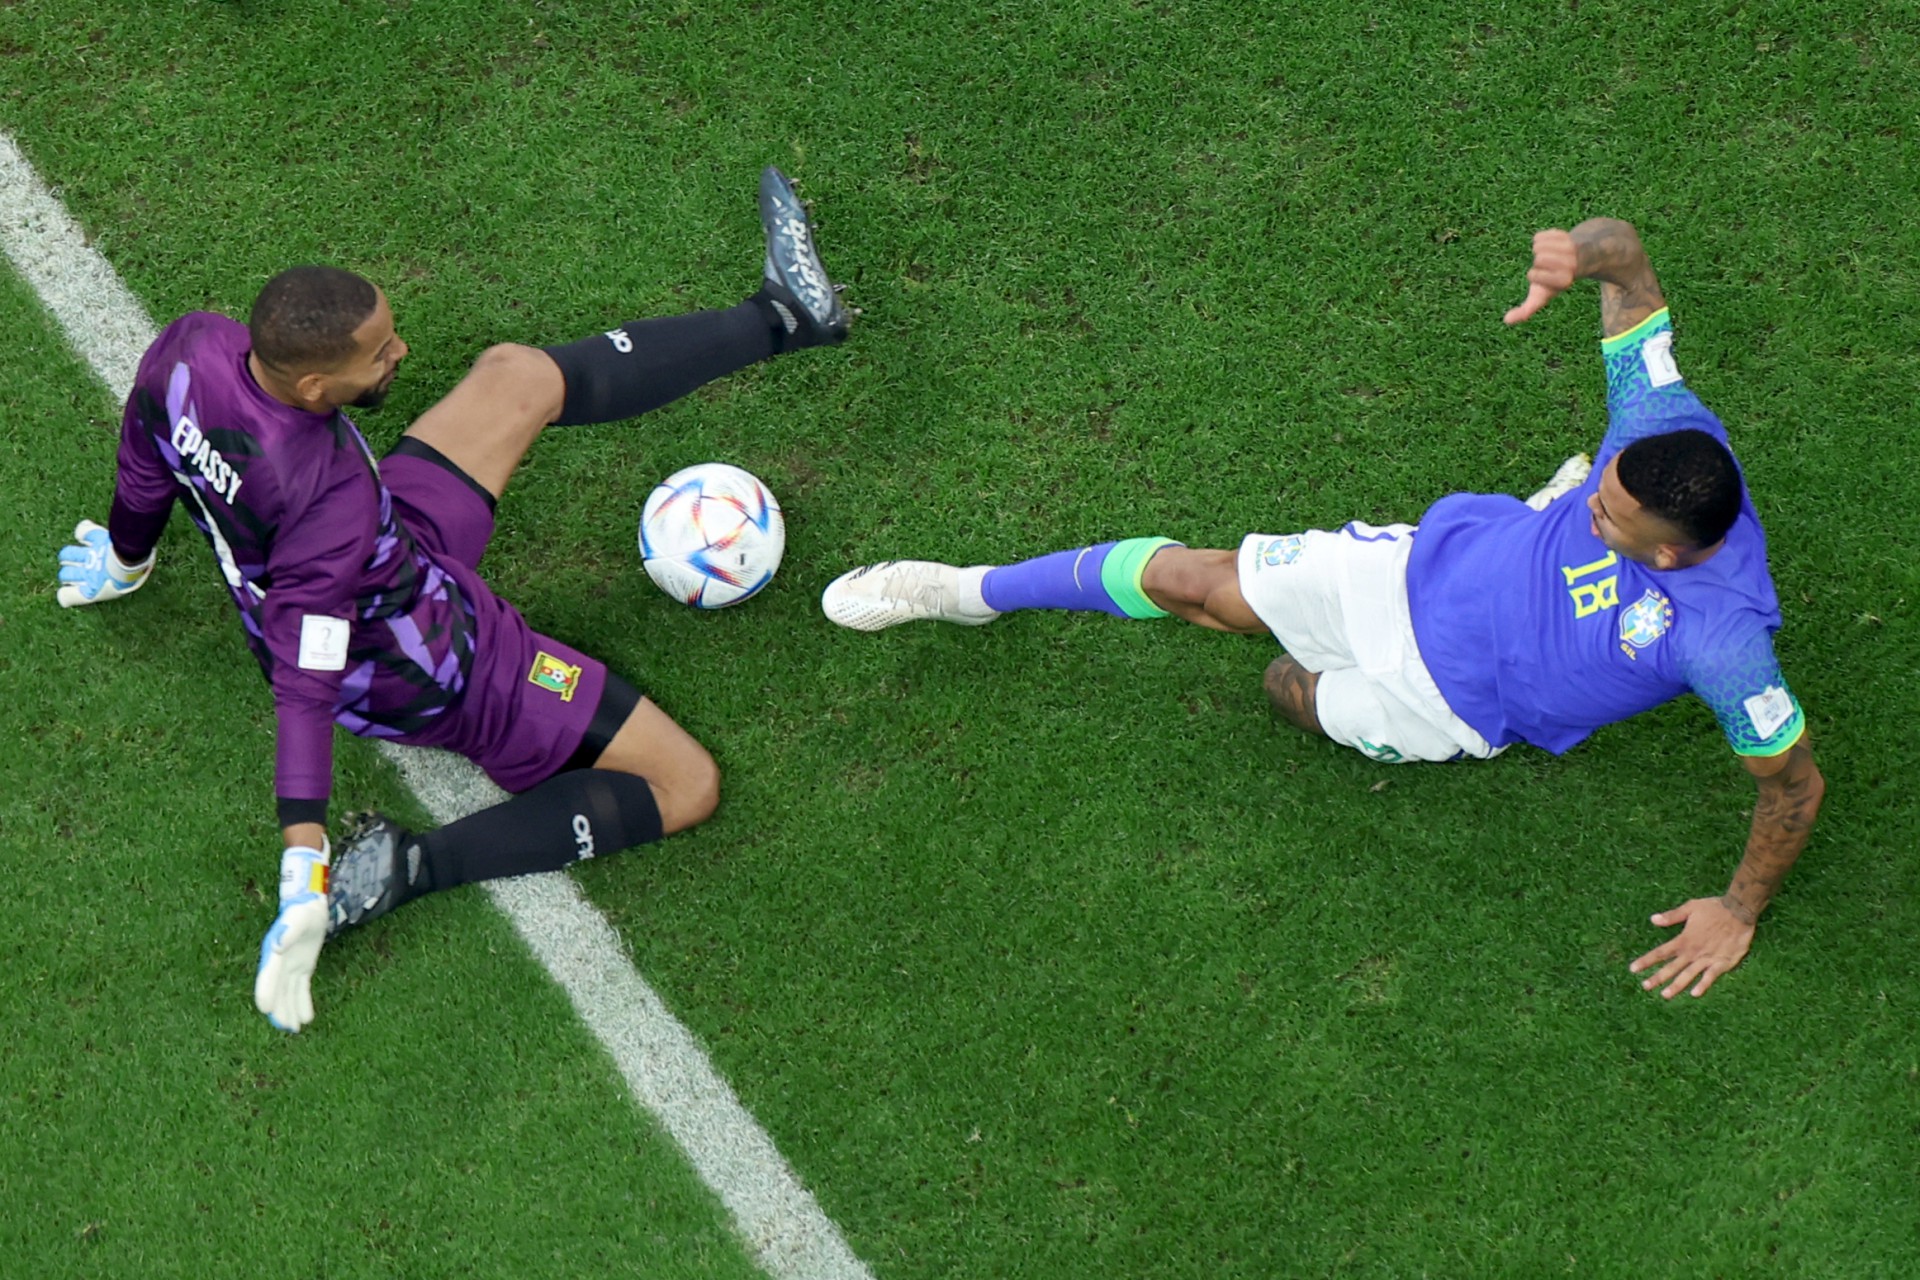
(375, 396)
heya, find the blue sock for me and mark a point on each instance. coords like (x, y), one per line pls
(1103, 578)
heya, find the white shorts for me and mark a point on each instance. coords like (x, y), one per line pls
(1337, 603)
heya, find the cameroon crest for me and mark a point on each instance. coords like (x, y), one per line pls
(555, 676)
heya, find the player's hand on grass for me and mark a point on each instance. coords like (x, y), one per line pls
(1554, 261)
(283, 987)
(1712, 940)
(90, 571)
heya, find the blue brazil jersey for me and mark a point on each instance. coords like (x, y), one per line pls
(1536, 632)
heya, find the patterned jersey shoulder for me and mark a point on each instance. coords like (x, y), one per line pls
(217, 430)
(1725, 648)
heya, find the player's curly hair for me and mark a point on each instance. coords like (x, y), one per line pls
(1687, 478)
(305, 317)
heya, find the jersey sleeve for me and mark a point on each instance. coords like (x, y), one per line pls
(1645, 393)
(306, 623)
(143, 489)
(1739, 677)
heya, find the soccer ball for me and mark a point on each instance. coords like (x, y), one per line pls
(711, 535)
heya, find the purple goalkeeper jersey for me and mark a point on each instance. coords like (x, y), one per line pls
(350, 619)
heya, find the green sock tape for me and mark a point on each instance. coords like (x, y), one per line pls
(1120, 575)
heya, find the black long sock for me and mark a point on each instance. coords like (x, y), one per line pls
(647, 363)
(568, 817)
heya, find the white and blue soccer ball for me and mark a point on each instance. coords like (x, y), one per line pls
(711, 535)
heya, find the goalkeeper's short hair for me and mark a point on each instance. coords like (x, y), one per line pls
(304, 318)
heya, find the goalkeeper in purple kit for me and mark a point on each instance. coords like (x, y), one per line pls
(356, 581)
(1494, 621)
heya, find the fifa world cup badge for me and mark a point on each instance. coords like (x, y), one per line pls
(555, 676)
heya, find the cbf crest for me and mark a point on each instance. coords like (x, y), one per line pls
(1644, 621)
(1279, 551)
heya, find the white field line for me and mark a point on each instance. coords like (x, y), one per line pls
(665, 1068)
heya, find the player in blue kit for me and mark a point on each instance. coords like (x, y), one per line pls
(1494, 621)
(357, 586)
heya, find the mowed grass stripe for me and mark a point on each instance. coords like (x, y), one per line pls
(661, 1061)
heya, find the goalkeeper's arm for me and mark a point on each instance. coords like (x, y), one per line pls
(107, 563)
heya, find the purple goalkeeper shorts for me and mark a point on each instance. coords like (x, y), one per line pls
(529, 699)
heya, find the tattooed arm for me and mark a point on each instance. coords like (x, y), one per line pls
(1717, 931)
(1291, 688)
(1603, 249)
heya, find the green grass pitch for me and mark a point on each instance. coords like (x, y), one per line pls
(1040, 951)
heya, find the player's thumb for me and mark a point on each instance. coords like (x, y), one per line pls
(71, 597)
(1537, 297)
(1676, 916)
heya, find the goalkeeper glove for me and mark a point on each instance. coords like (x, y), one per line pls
(90, 571)
(283, 987)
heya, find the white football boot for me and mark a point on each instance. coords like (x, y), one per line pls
(1571, 475)
(887, 594)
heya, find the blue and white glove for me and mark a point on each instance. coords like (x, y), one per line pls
(283, 988)
(90, 572)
